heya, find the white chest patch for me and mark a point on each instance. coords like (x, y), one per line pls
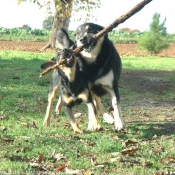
(92, 55)
(106, 80)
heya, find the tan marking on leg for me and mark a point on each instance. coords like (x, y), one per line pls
(84, 95)
(67, 99)
(49, 107)
(107, 117)
(76, 127)
(58, 106)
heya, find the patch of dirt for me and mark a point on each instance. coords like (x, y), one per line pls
(159, 106)
(123, 49)
(155, 97)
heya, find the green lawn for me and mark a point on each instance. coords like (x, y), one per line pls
(27, 147)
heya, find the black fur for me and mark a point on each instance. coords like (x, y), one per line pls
(98, 61)
(73, 88)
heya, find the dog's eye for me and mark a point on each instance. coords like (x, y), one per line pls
(77, 33)
(89, 30)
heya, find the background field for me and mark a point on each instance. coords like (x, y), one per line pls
(145, 147)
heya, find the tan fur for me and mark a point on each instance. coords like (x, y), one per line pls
(67, 99)
(84, 95)
(49, 107)
(69, 72)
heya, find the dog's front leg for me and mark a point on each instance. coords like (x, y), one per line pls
(118, 120)
(93, 124)
(70, 115)
(49, 106)
(107, 117)
(58, 106)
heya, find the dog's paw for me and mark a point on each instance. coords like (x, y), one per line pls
(108, 118)
(57, 112)
(46, 123)
(76, 128)
(94, 127)
(119, 125)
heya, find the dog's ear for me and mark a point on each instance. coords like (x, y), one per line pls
(48, 64)
(63, 40)
(72, 47)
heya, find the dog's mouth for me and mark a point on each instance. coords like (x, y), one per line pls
(68, 60)
(90, 48)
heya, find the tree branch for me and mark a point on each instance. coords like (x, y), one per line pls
(106, 30)
(118, 21)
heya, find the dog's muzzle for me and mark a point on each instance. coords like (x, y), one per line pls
(67, 56)
(87, 39)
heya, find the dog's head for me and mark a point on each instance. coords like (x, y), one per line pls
(84, 34)
(66, 58)
(62, 41)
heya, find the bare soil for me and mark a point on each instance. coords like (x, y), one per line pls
(123, 49)
(155, 100)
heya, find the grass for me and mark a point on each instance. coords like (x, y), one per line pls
(23, 37)
(24, 141)
(149, 63)
(113, 36)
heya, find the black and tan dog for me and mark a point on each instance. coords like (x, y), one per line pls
(101, 65)
(73, 89)
(62, 41)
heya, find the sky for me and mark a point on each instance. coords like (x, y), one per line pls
(14, 15)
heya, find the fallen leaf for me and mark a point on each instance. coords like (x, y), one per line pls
(18, 158)
(20, 150)
(71, 171)
(130, 151)
(34, 164)
(3, 117)
(93, 161)
(147, 163)
(115, 153)
(60, 168)
(59, 156)
(77, 114)
(116, 159)
(87, 143)
(40, 158)
(28, 125)
(171, 159)
(129, 142)
(3, 128)
(154, 137)
(7, 140)
(87, 172)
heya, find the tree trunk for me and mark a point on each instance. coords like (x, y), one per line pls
(60, 20)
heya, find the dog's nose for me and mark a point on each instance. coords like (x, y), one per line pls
(64, 50)
(83, 39)
(86, 39)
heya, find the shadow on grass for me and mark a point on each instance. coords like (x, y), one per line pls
(151, 129)
(152, 81)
